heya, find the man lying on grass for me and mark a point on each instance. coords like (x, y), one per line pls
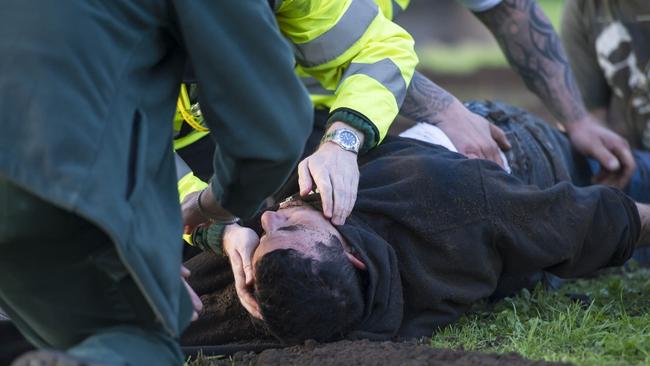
(432, 233)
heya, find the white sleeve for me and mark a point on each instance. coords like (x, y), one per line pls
(479, 5)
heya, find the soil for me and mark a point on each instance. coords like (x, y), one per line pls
(224, 328)
(372, 353)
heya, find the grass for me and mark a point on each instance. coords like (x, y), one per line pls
(612, 328)
(470, 56)
(609, 324)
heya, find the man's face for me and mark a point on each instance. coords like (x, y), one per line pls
(294, 225)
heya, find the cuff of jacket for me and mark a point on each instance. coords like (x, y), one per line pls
(210, 238)
(358, 121)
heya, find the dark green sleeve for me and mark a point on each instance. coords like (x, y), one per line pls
(258, 111)
(579, 44)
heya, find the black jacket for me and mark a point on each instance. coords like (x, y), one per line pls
(437, 231)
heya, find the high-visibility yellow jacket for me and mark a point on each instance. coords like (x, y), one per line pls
(349, 48)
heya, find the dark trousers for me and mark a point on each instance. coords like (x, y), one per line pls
(64, 286)
(543, 156)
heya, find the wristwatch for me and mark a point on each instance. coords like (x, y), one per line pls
(345, 138)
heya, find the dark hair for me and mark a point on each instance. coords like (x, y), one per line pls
(301, 298)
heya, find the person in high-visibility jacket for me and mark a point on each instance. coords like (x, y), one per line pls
(352, 50)
(533, 50)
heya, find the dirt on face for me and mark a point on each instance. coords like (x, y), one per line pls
(373, 353)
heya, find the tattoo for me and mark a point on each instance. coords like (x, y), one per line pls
(533, 49)
(425, 100)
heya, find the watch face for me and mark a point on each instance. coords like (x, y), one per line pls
(348, 139)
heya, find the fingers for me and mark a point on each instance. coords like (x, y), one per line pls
(628, 165)
(250, 304)
(487, 150)
(185, 273)
(323, 182)
(606, 159)
(245, 297)
(489, 145)
(304, 177)
(492, 153)
(335, 173)
(247, 265)
(500, 138)
(619, 178)
(312, 173)
(475, 137)
(345, 187)
(197, 304)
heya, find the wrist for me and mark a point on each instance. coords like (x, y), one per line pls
(571, 126)
(211, 211)
(343, 136)
(228, 231)
(360, 123)
(340, 124)
(211, 237)
(452, 113)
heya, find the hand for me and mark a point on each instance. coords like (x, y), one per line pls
(239, 243)
(336, 174)
(612, 151)
(473, 135)
(196, 301)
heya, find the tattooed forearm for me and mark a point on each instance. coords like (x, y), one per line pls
(533, 49)
(425, 100)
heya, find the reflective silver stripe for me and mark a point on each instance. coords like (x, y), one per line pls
(384, 71)
(182, 169)
(333, 43)
(396, 9)
(314, 87)
(277, 4)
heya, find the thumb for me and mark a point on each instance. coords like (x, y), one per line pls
(606, 159)
(500, 137)
(185, 273)
(248, 267)
(304, 178)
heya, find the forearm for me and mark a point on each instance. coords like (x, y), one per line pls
(342, 124)
(534, 50)
(600, 115)
(425, 101)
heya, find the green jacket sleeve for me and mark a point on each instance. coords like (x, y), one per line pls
(258, 111)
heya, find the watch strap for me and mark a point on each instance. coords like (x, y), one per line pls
(358, 122)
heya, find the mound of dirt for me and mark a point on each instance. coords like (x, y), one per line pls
(372, 353)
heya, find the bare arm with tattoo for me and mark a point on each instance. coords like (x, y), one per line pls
(472, 134)
(534, 51)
